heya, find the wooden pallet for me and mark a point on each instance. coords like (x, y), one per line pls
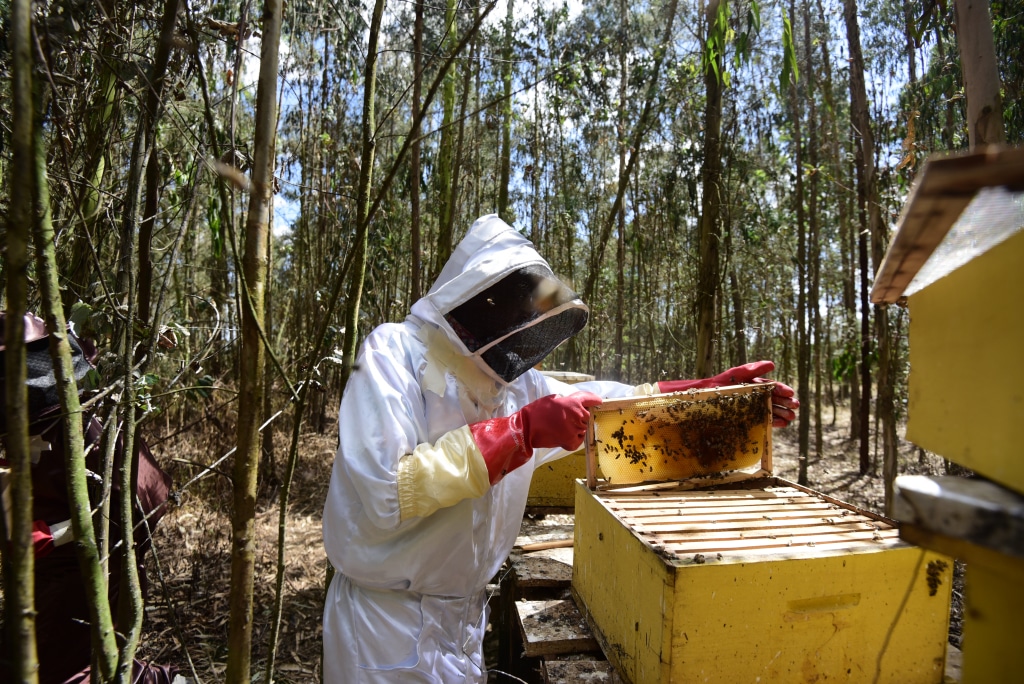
(544, 639)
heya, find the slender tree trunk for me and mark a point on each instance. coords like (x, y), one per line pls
(813, 253)
(738, 317)
(446, 153)
(154, 95)
(711, 199)
(414, 162)
(456, 172)
(18, 556)
(505, 157)
(267, 438)
(981, 75)
(620, 252)
(948, 125)
(252, 353)
(639, 131)
(869, 212)
(369, 143)
(908, 22)
(803, 348)
(106, 109)
(129, 608)
(864, 419)
(847, 245)
(536, 173)
(104, 644)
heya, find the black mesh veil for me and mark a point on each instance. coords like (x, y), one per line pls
(521, 351)
(519, 320)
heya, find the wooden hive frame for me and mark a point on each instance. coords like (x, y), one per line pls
(666, 405)
(767, 517)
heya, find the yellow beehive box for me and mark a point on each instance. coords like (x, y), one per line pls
(965, 329)
(554, 483)
(771, 583)
(956, 261)
(720, 572)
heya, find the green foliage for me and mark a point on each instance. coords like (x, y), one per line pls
(844, 365)
(91, 323)
(214, 223)
(745, 37)
(203, 387)
(714, 45)
(721, 35)
(1008, 33)
(790, 68)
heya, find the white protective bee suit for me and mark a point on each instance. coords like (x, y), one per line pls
(414, 523)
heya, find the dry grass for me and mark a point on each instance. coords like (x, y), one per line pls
(187, 614)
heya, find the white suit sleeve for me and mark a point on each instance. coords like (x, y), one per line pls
(442, 474)
(380, 420)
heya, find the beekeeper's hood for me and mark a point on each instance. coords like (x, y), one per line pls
(498, 302)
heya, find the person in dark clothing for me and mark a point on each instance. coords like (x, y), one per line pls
(63, 639)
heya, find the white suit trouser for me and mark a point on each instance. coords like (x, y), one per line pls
(374, 637)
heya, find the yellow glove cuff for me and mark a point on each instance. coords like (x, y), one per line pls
(441, 475)
(645, 390)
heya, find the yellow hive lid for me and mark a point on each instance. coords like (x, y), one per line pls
(698, 437)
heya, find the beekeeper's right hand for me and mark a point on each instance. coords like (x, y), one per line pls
(466, 461)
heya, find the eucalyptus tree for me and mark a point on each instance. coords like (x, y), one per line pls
(981, 76)
(446, 154)
(715, 40)
(18, 556)
(867, 210)
(252, 352)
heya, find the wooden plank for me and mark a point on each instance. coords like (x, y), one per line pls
(695, 483)
(532, 572)
(781, 553)
(710, 519)
(618, 497)
(753, 519)
(740, 525)
(579, 671)
(795, 541)
(553, 628)
(698, 504)
(736, 507)
(782, 531)
(781, 537)
(688, 503)
(531, 534)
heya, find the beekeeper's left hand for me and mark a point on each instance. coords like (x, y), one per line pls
(784, 402)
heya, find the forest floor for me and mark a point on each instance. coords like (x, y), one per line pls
(187, 612)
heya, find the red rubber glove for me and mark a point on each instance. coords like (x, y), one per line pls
(784, 404)
(551, 421)
(42, 540)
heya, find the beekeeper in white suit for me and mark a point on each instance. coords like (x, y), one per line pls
(441, 427)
